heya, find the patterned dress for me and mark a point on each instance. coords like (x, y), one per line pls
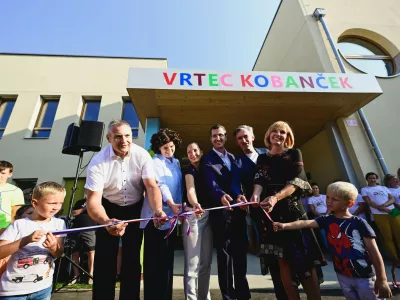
(299, 247)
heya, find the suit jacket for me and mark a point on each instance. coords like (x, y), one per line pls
(247, 171)
(218, 179)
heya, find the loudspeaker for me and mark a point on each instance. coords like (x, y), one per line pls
(90, 136)
(71, 138)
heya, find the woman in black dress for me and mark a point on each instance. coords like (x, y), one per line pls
(279, 183)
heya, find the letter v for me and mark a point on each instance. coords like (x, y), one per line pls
(168, 80)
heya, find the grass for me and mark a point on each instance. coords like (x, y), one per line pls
(79, 286)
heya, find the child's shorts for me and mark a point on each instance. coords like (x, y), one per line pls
(357, 288)
(42, 295)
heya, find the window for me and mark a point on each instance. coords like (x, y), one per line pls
(129, 115)
(91, 109)
(46, 117)
(366, 56)
(6, 108)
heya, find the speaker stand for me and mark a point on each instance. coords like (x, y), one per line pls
(67, 254)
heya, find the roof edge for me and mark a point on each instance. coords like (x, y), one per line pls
(272, 23)
(82, 56)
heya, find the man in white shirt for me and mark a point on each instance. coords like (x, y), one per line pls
(117, 178)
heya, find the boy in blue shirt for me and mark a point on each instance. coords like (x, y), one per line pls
(351, 242)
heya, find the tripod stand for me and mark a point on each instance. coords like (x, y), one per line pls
(67, 254)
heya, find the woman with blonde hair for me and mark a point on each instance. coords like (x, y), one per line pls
(279, 184)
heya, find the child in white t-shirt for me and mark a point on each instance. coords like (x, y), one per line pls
(32, 247)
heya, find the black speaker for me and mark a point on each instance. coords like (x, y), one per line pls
(71, 138)
(90, 136)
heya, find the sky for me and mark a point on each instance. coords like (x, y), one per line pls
(202, 34)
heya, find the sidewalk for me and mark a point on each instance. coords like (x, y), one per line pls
(261, 286)
(256, 280)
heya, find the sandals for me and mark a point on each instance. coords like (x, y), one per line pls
(395, 283)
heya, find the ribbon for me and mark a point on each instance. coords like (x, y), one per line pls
(267, 214)
(173, 220)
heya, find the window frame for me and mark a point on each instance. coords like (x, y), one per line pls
(386, 57)
(85, 101)
(125, 100)
(5, 99)
(36, 128)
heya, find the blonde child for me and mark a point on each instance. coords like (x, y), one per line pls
(32, 247)
(351, 242)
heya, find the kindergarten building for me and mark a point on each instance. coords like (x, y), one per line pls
(296, 78)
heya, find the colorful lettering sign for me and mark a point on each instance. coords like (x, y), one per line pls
(252, 81)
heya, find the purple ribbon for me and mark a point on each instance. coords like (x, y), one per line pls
(174, 220)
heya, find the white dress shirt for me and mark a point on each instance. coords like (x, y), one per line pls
(253, 156)
(120, 179)
(224, 156)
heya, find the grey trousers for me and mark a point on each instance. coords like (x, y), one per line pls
(198, 257)
(357, 288)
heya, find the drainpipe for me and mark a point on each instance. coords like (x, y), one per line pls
(319, 14)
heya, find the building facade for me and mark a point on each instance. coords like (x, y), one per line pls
(40, 95)
(366, 33)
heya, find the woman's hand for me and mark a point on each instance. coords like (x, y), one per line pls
(198, 209)
(384, 209)
(255, 198)
(176, 208)
(269, 203)
(278, 226)
(242, 199)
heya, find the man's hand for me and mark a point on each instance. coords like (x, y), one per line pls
(269, 203)
(225, 200)
(278, 226)
(51, 242)
(35, 236)
(382, 289)
(117, 229)
(159, 214)
(242, 199)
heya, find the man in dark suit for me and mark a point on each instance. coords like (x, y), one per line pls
(247, 163)
(222, 181)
